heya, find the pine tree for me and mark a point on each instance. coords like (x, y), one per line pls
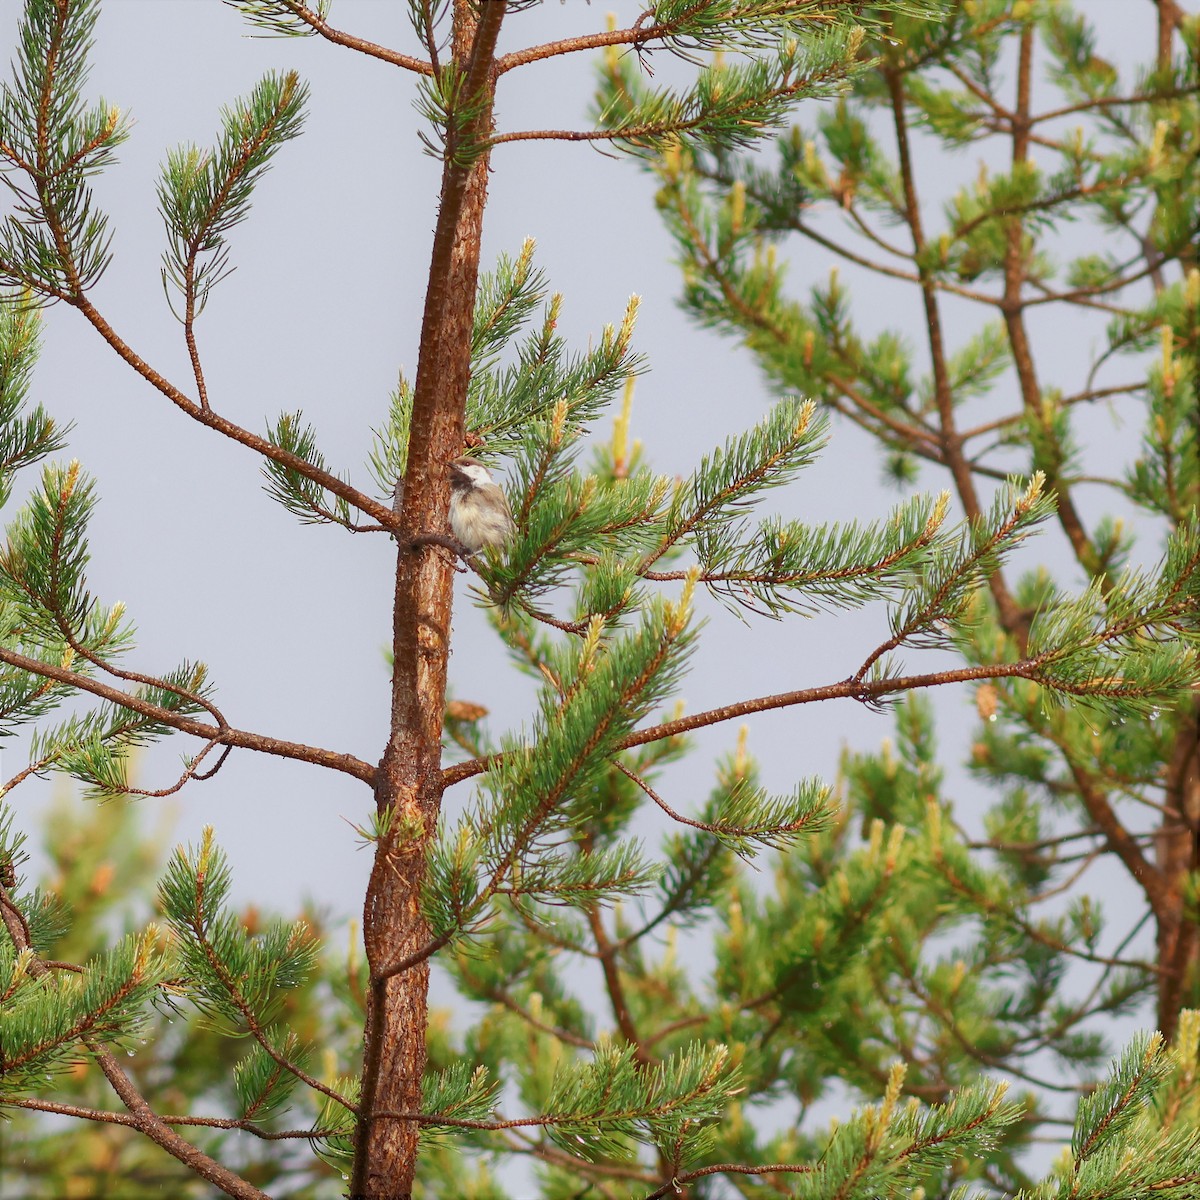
(838, 973)
(1117, 157)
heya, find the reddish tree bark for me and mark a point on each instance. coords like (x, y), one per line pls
(409, 784)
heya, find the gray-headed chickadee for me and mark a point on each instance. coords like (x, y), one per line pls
(479, 511)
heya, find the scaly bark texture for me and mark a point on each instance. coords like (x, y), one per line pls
(409, 783)
(1179, 833)
(1179, 859)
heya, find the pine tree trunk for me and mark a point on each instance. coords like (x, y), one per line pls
(1179, 833)
(410, 784)
(1179, 858)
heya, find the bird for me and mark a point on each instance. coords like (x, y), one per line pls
(479, 511)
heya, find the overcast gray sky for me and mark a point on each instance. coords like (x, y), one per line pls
(322, 312)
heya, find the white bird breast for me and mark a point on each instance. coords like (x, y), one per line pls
(480, 516)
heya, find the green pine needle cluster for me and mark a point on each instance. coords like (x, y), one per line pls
(309, 501)
(232, 976)
(27, 433)
(45, 1029)
(282, 18)
(203, 194)
(56, 242)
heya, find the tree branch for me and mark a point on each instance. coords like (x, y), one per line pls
(866, 690)
(346, 763)
(615, 986)
(373, 508)
(951, 440)
(253, 1024)
(142, 1116)
(322, 27)
(105, 1117)
(636, 35)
